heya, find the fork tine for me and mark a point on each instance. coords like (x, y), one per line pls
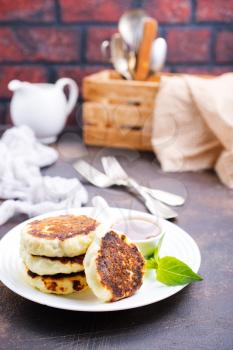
(105, 164)
(112, 164)
(119, 168)
(109, 167)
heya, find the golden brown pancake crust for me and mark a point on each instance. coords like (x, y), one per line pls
(62, 227)
(65, 260)
(120, 266)
(51, 284)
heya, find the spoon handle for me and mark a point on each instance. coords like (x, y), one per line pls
(153, 205)
(165, 197)
(149, 33)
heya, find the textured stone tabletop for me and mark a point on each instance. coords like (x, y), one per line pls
(198, 317)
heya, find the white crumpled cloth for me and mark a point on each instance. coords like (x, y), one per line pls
(21, 182)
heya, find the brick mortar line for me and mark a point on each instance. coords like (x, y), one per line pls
(57, 11)
(193, 5)
(83, 45)
(213, 43)
(5, 100)
(137, 4)
(55, 64)
(51, 74)
(219, 26)
(45, 64)
(3, 117)
(51, 64)
(11, 24)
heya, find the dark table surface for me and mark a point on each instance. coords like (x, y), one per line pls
(198, 317)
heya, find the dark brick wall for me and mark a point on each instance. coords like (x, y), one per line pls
(46, 39)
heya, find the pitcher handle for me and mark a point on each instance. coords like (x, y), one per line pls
(73, 92)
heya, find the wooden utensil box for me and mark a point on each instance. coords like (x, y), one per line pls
(118, 112)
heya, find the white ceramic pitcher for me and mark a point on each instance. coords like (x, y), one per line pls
(42, 107)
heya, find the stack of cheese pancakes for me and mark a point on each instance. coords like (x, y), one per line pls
(53, 251)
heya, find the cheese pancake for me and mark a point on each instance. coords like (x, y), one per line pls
(114, 267)
(57, 284)
(43, 265)
(65, 235)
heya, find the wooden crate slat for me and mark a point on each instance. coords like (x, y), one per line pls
(96, 113)
(131, 139)
(118, 91)
(116, 95)
(111, 77)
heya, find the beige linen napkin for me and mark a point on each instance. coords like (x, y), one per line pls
(193, 124)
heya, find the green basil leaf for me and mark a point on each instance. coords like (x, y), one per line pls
(151, 264)
(148, 257)
(172, 272)
(157, 249)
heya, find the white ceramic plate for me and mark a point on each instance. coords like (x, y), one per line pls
(176, 243)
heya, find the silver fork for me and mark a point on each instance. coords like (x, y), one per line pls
(94, 176)
(99, 179)
(115, 171)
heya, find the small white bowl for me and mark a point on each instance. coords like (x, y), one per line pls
(146, 245)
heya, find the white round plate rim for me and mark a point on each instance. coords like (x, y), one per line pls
(59, 301)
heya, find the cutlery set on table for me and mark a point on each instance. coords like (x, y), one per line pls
(156, 201)
(134, 51)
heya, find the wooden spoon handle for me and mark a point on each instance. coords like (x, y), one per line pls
(144, 52)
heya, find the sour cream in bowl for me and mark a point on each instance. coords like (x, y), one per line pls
(143, 229)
